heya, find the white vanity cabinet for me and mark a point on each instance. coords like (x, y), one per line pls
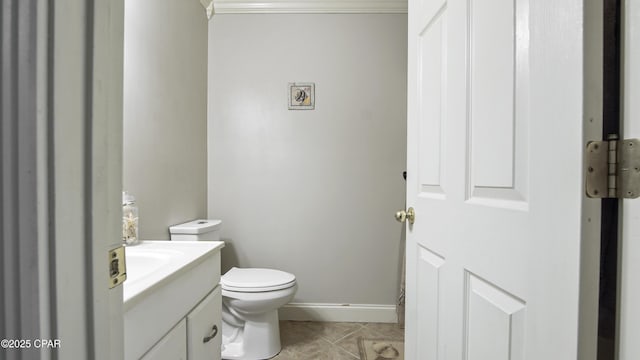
(173, 301)
(204, 328)
(196, 337)
(172, 346)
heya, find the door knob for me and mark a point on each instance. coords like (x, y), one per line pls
(410, 214)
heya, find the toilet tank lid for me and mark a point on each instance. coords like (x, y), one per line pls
(254, 277)
(199, 226)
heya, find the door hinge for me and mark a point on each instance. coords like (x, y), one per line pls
(613, 168)
(117, 267)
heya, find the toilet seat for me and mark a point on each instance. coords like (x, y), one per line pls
(256, 280)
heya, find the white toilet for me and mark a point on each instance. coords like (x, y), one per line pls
(250, 300)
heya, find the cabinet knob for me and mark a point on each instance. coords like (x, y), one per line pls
(214, 332)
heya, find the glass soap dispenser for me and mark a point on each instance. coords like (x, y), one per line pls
(129, 219)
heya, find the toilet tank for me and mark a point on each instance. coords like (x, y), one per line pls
(196, 230)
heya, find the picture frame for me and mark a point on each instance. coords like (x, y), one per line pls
(301, 96)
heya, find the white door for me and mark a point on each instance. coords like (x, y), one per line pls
(496, 104)
(86, 45)
(629, 313)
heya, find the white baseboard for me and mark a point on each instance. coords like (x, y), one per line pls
(339, 312)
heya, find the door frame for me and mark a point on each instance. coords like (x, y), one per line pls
(593, 50)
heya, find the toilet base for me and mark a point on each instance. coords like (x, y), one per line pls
(258, 339)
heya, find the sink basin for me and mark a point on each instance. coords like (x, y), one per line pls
(165, 280)
(151, 263)
(145, 262)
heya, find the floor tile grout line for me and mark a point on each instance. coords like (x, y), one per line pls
(362, 326)
(349, 334)
(349, 352)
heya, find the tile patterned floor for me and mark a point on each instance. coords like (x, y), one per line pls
(307, 340)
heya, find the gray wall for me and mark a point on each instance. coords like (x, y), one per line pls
(310, 192)
(165, 105)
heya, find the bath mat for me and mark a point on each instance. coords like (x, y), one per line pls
(380, 349)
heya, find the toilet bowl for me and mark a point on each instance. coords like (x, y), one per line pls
(251, 298)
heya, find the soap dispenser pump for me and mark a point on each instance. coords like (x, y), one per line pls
(129, 219)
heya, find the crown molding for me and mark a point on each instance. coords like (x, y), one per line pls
(208, 7)
(310, 7)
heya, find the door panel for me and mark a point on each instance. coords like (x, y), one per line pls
(493, 258)
(432, 63)
(495, 322)
(491, 77)
(428, 280)
(498, 96)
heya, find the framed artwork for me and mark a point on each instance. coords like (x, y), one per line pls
(301, 96)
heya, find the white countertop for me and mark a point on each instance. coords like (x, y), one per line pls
(152, 263)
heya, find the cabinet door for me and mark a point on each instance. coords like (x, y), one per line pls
(204, 328)
(172, 346)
